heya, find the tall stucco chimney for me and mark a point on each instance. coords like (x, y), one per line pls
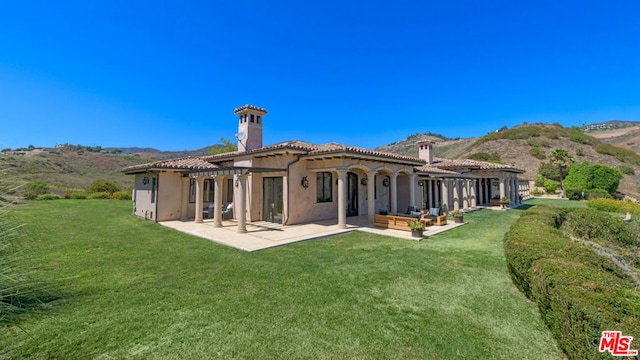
(425, 150)
(250, 127)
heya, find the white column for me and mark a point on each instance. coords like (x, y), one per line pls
(394, 194)
(217, 201)
(503, 186)
(242, 204)
(456, 194)
(199, 189)
(371, 195)
(184, 199)
(342, 199)
(474, 203)
(465, 194)
(429, 192)
(481, 191)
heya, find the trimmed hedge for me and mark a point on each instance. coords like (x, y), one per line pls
(612, 205)
(121, 195)
(579, 293)
(48, 196)
(99, 195)
(592, 224)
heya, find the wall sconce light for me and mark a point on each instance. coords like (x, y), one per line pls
(386, 181)
(304, 182)
(237, 183)
(420, 182)
(364, 181)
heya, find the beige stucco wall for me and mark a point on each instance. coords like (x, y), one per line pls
(169, 196)
(143, 206)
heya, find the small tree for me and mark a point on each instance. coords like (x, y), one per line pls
(102, 185)
(561, 158)
(224, 146)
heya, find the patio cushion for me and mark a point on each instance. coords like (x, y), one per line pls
(434, 211)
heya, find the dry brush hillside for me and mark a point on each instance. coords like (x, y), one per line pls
(525, 147)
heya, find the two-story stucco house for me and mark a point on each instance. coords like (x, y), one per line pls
(297, 182)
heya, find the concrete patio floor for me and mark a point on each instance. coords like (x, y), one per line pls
(263, 235)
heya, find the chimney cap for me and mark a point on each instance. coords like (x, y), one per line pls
(425, 142)
(245, 108)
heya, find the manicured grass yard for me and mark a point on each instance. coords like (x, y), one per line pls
(129, 288)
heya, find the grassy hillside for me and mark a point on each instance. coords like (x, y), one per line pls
(526, 146)
(65, 170)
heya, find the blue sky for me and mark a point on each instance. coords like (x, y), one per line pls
(169, 74)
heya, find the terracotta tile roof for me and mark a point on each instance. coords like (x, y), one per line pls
(475, 164)
(434, 170)
(335, 148)
(249, 107)
(294, 144)
(187, 163)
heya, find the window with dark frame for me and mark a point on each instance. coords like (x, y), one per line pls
(192, 190)
(258, 119)
(252, 118)
(324, 187)
(153, 189)
(209, 187)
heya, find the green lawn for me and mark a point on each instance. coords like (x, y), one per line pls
(129, 288)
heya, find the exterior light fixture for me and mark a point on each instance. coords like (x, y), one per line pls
(420, 182)
(304, 182)
(364, 181)
(386, 181)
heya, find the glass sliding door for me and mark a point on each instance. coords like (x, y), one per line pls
(272, 199)
(352, 194)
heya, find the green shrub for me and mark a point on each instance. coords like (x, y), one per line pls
(538, 143)
(579, 293)
(77, 195)
(536, 192)
(626, 170)
(596, 194)
(101, 185)
(537, 153)
(596, 176)
(578, 138)
(592, 224)
(549, 171)
(99, 195)
(615, 206)
(579, 175)
(121, 195)
(579, 152)
(493, 157)
(48, 197)
(550, 186)
(539, 181)
(574, 193)
(605, 177)
(34, 189)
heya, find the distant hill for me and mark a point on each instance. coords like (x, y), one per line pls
(71, 167)
(526, 146)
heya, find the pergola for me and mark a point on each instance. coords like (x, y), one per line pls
(219, 175)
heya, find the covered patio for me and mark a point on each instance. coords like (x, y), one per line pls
(263, 235)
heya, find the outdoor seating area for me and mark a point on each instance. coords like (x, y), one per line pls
(433, 216)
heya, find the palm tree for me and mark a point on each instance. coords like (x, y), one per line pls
(561, 158)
